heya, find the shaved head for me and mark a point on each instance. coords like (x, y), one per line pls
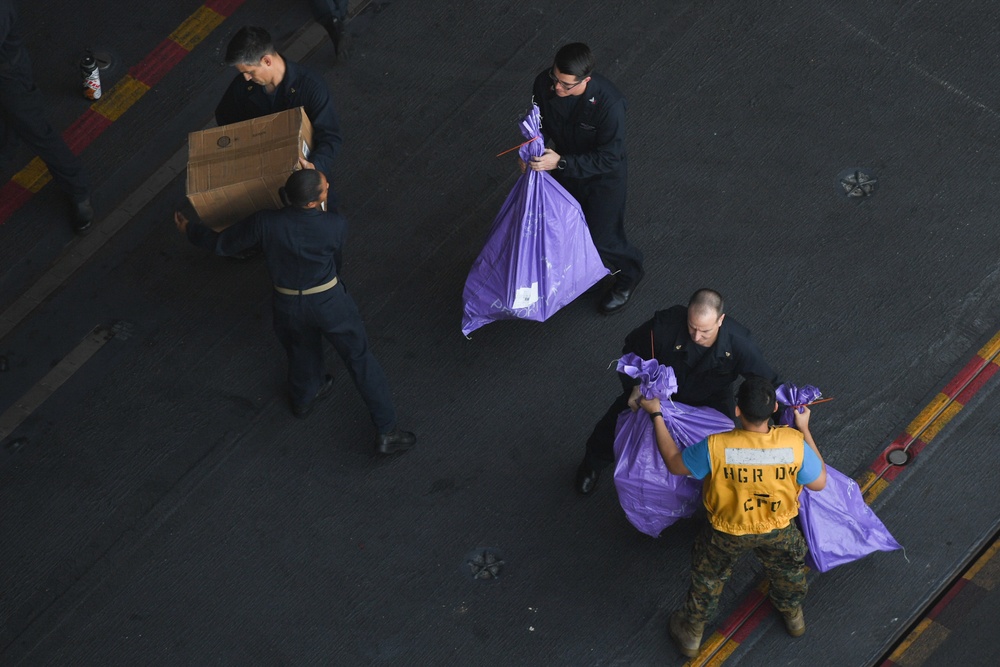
(706, 302)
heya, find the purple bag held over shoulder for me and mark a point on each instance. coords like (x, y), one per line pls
(538, 256)
(653, 497)
(837, 523)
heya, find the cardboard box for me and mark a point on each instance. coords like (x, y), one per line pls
(235, 170)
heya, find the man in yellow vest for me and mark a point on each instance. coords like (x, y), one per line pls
(752, 479)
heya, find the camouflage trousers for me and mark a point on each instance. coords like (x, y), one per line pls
(782, 552)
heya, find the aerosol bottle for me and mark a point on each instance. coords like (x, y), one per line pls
(91, 77)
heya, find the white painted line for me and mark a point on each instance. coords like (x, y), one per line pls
(55, 378)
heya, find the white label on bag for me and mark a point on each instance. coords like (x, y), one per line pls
(525, 296)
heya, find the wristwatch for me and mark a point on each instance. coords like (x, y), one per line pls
(561, 164)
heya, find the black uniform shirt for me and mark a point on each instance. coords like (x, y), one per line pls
(591, 137)
(300, 87)
(302, 247)
(700, 381)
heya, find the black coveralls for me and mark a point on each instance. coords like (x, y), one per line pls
(588, 130)
(300, 87)
(22, 111)
(302, 248)
(708, 382)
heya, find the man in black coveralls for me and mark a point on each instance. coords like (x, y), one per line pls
(22, 116)
(708, 352)
(302, 245)
(583, 121)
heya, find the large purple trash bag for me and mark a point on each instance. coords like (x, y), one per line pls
(538, 256)
(653, 497)
(837, 523)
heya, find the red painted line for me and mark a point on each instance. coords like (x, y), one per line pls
(752, 623)
(971, 368)
(955, 589)
(12, 197)
(224, 7)
(741, 614)
(84, 130)
(160, 60)
(977, 383)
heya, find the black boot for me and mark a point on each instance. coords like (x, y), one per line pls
(335, 28)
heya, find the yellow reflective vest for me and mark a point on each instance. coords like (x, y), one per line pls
(752, 487)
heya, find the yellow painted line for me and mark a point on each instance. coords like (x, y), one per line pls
(905, 645)
(34, 176)
(990, 574)
(123, 95)
(941, 421)
(991, 349)
(937, 404)
(54, 379)
(722, 655)
(876, 490)
(196, 28)
(714, 644)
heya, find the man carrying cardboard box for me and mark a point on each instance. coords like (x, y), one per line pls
(303, 246)
(268, 83)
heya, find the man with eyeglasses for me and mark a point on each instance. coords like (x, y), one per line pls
(583, 120)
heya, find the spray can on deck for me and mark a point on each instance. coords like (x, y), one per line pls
(91, 77)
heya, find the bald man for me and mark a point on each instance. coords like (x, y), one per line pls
(708, 352)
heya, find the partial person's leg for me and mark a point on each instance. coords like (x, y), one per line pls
(303, 344)
(783, 556)
(332, 14)
(343, 327)
(712, 559)
(24, 115)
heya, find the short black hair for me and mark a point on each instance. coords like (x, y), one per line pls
(755, 399)
(575, 59)
(248, 46)
(302, 188)
(705, 299)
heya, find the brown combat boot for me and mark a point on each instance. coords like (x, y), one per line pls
(685, 634)
(795, 622)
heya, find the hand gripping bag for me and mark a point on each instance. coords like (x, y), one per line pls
(653, 497)
(538, 256)
(837, 523)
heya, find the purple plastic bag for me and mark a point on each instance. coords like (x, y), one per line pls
(653, 497)
(789, 396)
(538, 256)
(838, 525)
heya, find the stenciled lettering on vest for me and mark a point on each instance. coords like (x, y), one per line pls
(755, 475)
(761, 500)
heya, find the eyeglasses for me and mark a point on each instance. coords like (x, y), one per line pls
(563, 84)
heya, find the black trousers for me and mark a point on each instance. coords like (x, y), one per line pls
(601, 443)
(302, 322)
(324, 10)
(22, 113)
(603, 204)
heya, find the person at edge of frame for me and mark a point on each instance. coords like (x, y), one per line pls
(23, 118)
